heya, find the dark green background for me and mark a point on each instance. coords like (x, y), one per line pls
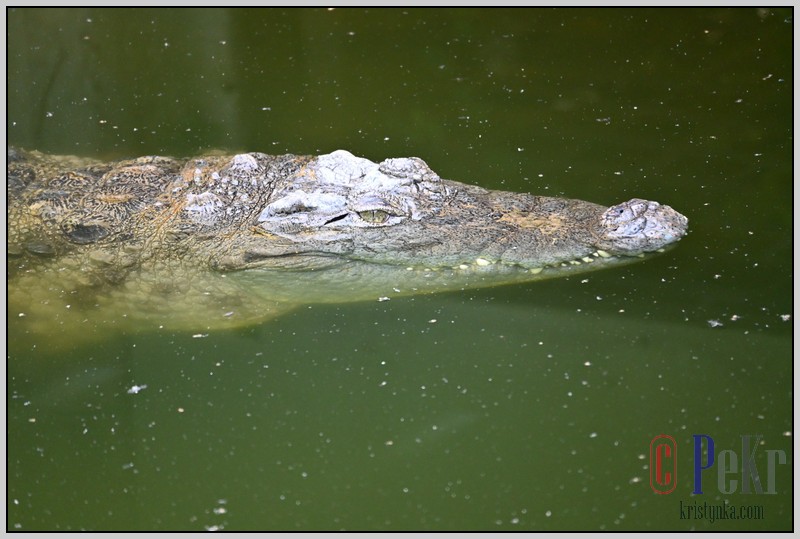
(525, 407)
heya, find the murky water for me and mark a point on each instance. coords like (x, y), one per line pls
(528, 407)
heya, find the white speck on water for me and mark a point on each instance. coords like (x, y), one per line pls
(134, 389)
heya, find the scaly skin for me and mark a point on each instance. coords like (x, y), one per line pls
(216, 241)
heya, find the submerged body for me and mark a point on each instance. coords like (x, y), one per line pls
(220, 241)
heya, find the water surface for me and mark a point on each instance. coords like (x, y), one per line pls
(527, 407)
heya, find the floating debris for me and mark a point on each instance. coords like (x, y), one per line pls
(134, 389)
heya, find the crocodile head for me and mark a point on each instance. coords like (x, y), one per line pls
(225, 241)
(399, 212)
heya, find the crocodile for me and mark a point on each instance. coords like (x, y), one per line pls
(219, 241)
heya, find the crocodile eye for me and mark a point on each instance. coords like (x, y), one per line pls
(375, 217)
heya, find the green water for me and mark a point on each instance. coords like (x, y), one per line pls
(528, 407)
